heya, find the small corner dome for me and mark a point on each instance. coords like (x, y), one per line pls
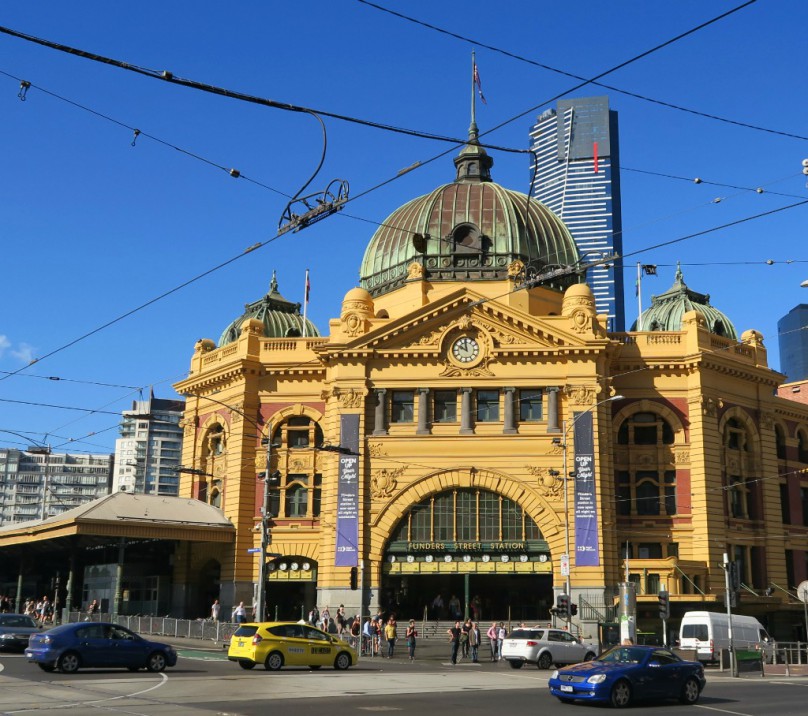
(280, 318)
(668, 310)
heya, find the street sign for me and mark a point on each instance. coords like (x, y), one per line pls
(565, 565)
(254, 550)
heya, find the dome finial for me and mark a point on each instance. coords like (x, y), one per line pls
(473, 162)
(679, 277)
(273, 284)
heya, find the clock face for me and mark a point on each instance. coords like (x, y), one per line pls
(465, 349)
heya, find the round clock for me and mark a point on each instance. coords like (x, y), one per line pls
(465, 349)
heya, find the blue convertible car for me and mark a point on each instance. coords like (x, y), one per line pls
(630, 673)
(97, 644)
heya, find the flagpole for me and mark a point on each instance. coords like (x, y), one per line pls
(639, 296)
(305, 302)
(473, 127)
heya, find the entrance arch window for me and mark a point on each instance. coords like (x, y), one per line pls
(299, 431)
(645, 429)
(466, 515)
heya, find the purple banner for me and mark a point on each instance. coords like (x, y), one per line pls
(347, 547)
(587, 544)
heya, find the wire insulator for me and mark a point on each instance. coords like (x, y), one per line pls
(25, 85)
(135, 135)
(235, 173)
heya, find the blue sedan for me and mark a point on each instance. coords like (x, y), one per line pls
(630, 673)
(97, 644)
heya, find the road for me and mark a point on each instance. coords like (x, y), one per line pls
(204, 683)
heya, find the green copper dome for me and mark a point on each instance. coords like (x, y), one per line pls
(469, 230)
(281, 318)
(667, 310)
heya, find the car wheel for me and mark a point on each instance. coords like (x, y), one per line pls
(516, 664)
(545, 660)
(589, 656)
(343, 661)
(621, 694)
(46, 667)
(156, 661)
(274, 661)
(246, 664)
(68, 662)
(690, 692)
(314, 667)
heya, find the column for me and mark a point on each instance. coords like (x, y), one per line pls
(465, 412)
(552, 410)
(423, 411)
(510, 423)
(381, 405)
(116, 605)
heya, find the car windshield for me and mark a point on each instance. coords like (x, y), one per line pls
(526, 634)
(622, 655)
(16, 620)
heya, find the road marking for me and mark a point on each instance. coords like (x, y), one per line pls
(723, 711)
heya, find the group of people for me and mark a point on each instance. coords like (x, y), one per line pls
(380, 635)
(42, 610)
(465, 639)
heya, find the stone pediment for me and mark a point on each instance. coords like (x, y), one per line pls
(493, 326)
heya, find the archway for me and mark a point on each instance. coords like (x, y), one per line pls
(467, 551)
(291, 587)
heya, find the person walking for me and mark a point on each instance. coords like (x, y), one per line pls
(454, 639)
(314, 616)
(215, 608)
(412, 635)
(492, 640)
(239, 615)
(500, 639)
(325, 618)
(390, 635)
(474, 642)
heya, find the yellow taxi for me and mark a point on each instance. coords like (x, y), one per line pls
(278, 644)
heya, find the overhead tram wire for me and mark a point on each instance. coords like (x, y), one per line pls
(635, 95)
(169, 77)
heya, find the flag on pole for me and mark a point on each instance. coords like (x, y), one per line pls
(595, 155)
(478, 84)
(306, 303)
(308, 286)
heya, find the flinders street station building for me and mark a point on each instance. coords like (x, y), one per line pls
(466, 426)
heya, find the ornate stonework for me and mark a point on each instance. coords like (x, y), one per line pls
(682, 456)
(710, 406)
(453, 371)
(383, 483)
(415, 270)
(354, 324)
(349, 398)
(550, 483)
(581, 394)
(766, 421)
(516, 269)
(376, 450)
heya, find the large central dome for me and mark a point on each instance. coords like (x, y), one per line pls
(469, 230)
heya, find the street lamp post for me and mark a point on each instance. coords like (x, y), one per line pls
(565, 429)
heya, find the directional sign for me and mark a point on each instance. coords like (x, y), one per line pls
(254, 550)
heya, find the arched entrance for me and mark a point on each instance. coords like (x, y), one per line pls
(475, 548)
(291, 587)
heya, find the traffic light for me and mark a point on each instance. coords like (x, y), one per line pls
(664, 605)
(354, 578)
(563, 605)
(573, 609)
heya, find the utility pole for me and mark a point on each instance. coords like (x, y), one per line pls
(726, 566)
(260, 609)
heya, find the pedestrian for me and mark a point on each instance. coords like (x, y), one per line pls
(500, 639)
(474, 642)
(454, 608)
(341, 619)
(390, 635)
(492, 640)
(239, 615)
(412, 635)
(464, 639)
(356, 632)
(454, 639)
(437, 607)
(325, 618)
(314, 616)
(215, 608)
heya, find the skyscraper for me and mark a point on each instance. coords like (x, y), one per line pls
(578, 178)
(147, 454)
(792, 333)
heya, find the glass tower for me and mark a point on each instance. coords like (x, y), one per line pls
(792, 333)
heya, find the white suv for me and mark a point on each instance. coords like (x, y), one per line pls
(545, 647)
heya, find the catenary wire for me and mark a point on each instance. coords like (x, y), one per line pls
(521, 58)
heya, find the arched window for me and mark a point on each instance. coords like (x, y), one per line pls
(802, 446)
(466, 515)
(780, 441)
(298, 431)
(645, 429)
(735, 436)
(297, 498)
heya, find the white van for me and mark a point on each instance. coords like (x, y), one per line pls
(707, 633)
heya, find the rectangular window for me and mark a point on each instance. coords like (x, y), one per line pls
(670, 492)
(489, 516)
(420, 527)
(466, 516)
(623, 493)
(317, 497)
(649, 550)
(652, 584)
(445, 406)
(487, 406)
(530, 405)
(785, 513)
(804, 501)
(402, 406)
(443, 510)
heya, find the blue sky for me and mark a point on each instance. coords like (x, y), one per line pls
(93, 227)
